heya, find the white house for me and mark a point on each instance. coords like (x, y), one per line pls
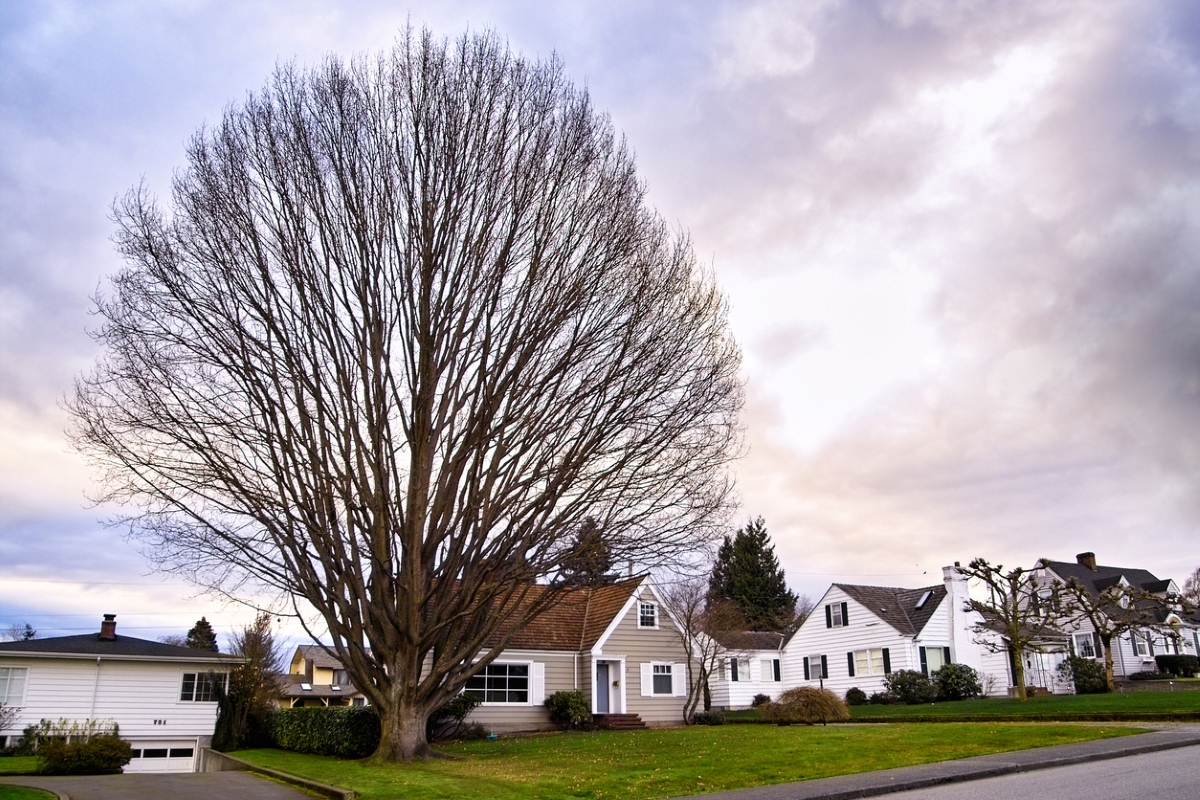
(752, 666)
(858, 634)
(161, 696)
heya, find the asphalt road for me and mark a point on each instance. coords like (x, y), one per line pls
(1167, 775)
(190, 786)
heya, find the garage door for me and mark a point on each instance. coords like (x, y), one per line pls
(177, 755)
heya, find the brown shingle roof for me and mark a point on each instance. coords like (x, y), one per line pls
(896, 606)
(577, 618)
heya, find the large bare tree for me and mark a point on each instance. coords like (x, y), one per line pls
(407, 323)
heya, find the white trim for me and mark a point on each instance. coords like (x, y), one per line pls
(648, 669)
(620, 667)
(653, 605)
(529, 689)
(634, 596)
(231, 660)
(24, 688)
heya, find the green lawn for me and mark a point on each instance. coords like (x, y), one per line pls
(672, 761)
(18, 765)
(23, 793)
(1148, 703)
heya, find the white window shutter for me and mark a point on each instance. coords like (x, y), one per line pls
(678, 680)
(647, 680)
(537, 688)
(752, 668)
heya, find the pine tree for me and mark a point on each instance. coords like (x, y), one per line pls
(202, 636)
(589, 561)
(748, 574)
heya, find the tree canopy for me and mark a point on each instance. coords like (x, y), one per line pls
(408, 322)
(202, 636)
(748, 574)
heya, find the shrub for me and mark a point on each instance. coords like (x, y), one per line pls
(1087, 675)
(883, 699)
(910, 687)
(570, 709)
(1145, 675)
(759, 699)
(342, 731)
(957, 682)
(449, 721)
(856, 697)
(98, 755)
(1181, 666)
(805, 704)
(709, 717)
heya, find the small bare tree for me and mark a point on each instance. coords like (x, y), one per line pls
(409, 324)
(1019, 607)
(8, 715)
(703, 623)
(1191, 588)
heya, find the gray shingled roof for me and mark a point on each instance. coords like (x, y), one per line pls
(898, 606)
(750, 640)
(1103, 577)
(90, 644)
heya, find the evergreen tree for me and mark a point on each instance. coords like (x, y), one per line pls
(589, 560)
(747, 573)
(202, 636)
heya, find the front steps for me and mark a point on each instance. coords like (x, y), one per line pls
(619, 722)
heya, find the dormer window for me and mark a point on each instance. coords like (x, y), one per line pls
(647, 615)
(306, 687)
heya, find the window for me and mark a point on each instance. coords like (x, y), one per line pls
(815, 668)
(933, 659)
(1141, 644)
(500, 683)
(869, 662)
(647, 615)
(739, 669)
(836, 615)
(662, 678)
(359, 701)
(1084, 646)
(924, 599)
(770, 669)
(200, 687)
(12, 685)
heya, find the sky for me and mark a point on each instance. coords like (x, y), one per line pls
(959, 241)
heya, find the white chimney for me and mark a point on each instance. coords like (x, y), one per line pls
(963, 649)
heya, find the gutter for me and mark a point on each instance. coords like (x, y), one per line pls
(123, 657)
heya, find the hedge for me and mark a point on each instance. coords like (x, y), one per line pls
(1182, 666)
(342, 731)
(99, 755)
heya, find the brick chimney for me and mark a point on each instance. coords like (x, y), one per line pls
(1086, 560)
(108, 628)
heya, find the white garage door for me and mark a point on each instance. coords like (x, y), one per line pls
(166, 755)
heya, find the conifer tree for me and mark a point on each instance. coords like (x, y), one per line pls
(748, 574)
(589, 562)
(202, 636)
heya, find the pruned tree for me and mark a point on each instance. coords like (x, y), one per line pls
(407, 324)
(202, 636)
(746, 572)
(1018, 613)
(702, 625)
(588, 560)
(1191, 588)
(1112, 611)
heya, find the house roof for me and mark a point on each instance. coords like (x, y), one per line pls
(126, 647)
(898, 606)
(1103, 577)
(290, 686)
(576, 620)
(750, 640)
(318, 655)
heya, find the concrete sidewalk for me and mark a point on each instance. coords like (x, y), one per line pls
(871, 784)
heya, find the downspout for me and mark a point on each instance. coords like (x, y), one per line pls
(95, 688)
(575, 668)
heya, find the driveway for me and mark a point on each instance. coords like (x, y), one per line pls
(183, 786)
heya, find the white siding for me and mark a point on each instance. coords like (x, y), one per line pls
(740, 693)
(142, 697)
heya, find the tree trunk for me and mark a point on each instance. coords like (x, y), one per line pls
(1019, 674)
(1108, 663)
(402, 736)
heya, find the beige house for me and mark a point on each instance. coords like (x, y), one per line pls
(617, 644)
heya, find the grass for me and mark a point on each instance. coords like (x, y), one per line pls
(669, 762)
(18, 765)
(23, 793)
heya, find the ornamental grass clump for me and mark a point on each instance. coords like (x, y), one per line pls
(807, 705)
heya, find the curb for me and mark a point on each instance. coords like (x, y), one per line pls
(227, 763)
(55, 792)
(924, 776)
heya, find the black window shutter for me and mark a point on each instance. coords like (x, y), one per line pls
(924, 662)
(1150, 641)
(775, 669)
(850, 663)
(824, 668)
(807, 675)
(1099, 645)
(1071, 644)
(845, 615)
(945, 656)
(828, 617)
(733, 669)
(887, 662)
